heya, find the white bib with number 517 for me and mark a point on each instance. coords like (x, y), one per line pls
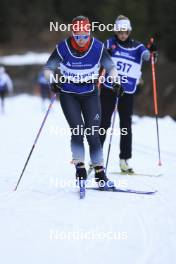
(127, 68)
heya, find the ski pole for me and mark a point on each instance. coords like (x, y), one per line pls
(36, 139)
(112, 130)
(155, 100)
(102, 74)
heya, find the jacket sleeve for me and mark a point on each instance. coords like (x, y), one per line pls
(53, 61)
(52, 65)
(108, 64)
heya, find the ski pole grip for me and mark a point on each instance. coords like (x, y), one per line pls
(151, 41)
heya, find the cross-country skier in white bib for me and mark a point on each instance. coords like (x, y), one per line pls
(128, 55)
(79, 58)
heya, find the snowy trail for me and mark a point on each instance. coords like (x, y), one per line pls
(32, 217)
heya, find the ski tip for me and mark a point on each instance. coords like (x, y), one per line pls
(136, 174)
(131, 191)
(152, 192)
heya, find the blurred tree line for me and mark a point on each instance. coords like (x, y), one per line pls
(25, 24)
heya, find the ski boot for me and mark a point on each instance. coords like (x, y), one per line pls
(103, 182)
(125, 166)
(81, 176)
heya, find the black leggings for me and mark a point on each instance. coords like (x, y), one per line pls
(84, 113)
(125, 109)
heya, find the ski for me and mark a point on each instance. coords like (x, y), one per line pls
(136, 174)
(82, 189)
(122, 190)
(82, 193)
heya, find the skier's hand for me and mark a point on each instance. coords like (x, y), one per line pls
(55, 87)
(118, 89)
(152, 47)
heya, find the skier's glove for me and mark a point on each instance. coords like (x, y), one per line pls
(152, 47)
(55, 87)
(118, 89)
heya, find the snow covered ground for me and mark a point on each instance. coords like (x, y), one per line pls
(28, 58)
(42, 222)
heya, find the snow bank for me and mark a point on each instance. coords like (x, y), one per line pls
(24, 59)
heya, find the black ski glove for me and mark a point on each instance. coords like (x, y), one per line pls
(152, 47)
(118, 89)
(55, 87)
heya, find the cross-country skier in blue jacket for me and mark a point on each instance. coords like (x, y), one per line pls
(78, 59)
